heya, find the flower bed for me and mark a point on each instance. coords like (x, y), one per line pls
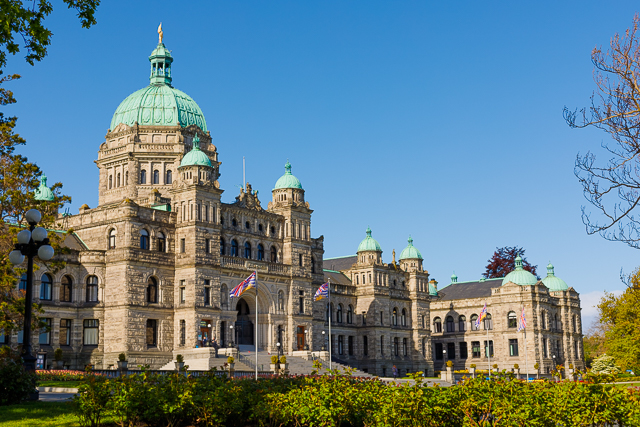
(63, 375)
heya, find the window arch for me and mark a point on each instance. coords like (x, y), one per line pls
(488, 322)
(234, 247)
(437, 325)
(247, 250)
(403, 317)
(144, 239)
(260, 252)
(168, 178)
(450, 324)
(339, 314)
(462, 323)
(281, 301)
(46, 287)
(162, 242)
(474, 319)
(224, 297)
(394, 317)
(92, 289)
(143, 176)
(274, 254)
(112, 239)
(152, 290)
(512, 320)
(156, 177)
(221, 246)
(66, 289)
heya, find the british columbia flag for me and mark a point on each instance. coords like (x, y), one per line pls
(322, 292)
(523, 321)
(483, 314)
(248, 283)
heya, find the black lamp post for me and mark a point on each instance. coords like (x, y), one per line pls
(31, 242)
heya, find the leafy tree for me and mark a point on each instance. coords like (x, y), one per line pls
(605, 364)
(593, 343)
(503, 262)
(620, 317)
(25, 20)
(613, 189)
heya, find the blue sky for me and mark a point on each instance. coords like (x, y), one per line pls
(442, 120)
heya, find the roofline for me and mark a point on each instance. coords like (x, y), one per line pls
(340, 257)
(333, 271)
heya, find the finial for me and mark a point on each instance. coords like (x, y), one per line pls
(550, 269)
(454, 278)
(368, 231)
(410, 240)
(160, 33)
(43, 180)
(394, 257)
(196, 142)
(287, 168)
(518, 262)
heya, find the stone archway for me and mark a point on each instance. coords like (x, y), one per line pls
(244, 324)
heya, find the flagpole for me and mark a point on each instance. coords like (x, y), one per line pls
(330, 316)
(256, 320)
(488, 346)
(526, 360)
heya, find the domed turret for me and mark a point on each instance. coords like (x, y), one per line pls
(520, 276)
(454, 278)
(195, 157)
(288, 180)
(43, 192)
(552, 282)
(410, 252)
(369, 243)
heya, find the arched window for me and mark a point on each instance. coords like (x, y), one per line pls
(274, 254)
(474, 319)
(339, 314)
(234, 248)
(247, 225)
(234, 222)
(46, 285)
(92, 289)
(437, 325)
(144, 239)
(350, 314)
(544, 319)
(110, 182)
(357, 279)
(395, 346)
(143, 176)
(422, 321)
(112, 238)
(557, 325)
(313, 265)
(462, 323)
(488, 323)
(156, 177)
(403, 317)
(424, 347)
(66, 289)
(23, 282)
(281, 301)
(404, 346)
(260, 252)
(162, 242)
(512, 320)
(168, 178)
(394, 317)
(573, 324)
(450, 324)
(126, 178)
(118, 180)
(152, 290)
(247, 250)
(221, 246)
(224, 297)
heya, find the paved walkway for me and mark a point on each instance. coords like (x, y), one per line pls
(55, 397)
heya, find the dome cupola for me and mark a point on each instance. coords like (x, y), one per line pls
(195, 157)
(410, 252)
(552, 282)
(43, 192)
(288, 180)
(520, 276)
(369, 243)
(454, 278)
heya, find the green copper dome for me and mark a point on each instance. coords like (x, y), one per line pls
(43, 192)
(410, 252)
(288, 180)
(195, 157)
(369, 243)
(159, 104)
(520, 276)
(552, 282)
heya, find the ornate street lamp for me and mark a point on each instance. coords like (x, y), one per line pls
(232, 336)
(324, 344)
(31, 242)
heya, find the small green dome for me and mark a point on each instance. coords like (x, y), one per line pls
(195, 157)
(410, 252)
(552, 282)
(288, 180)
(454, 278)
(159, 104)
(369, 243)
(43, 192)
(432, 290)
(520, 276)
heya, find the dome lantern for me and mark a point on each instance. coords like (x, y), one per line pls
(195, 157)
(552, 282)
(44, 193)
(288, 180)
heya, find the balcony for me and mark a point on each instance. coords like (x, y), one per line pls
(254, 265)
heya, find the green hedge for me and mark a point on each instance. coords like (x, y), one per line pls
(342, 400)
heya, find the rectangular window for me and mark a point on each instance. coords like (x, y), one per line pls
(207, 248)
(544, 347)
(463, 350)
(152, 333)
(45, 333)
(90, 333)
(206, 213)
(182, 245)
(207, 293)
(301, 305)
(300, 259)
(340, 344)
(382, 344)
(513, 347)
(20, 337)
(381, 318)
(92, 289)
(4, 338)
(183, 332)
(350, 342)
(488, 350)
(475, 349)
(365, 345)
(65, 290)
(438, 351)
(395, 346)
(404, 346)
(451, 351)
(65, 331)
(182, 292)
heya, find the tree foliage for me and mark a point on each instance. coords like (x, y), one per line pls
(24, 20)
(503, 262)
(593, 343)
(605, 364)
(613, 189)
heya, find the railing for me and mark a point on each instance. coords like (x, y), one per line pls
(252, 264)
(111, 373)
(247, 361)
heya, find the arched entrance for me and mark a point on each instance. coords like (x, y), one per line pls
(244, 325)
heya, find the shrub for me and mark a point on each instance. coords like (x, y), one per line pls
(57, 354)
(536, 366)
(283, 359)
(122, 357)
(495, 366)
(473, 366)
(16, 383)
(230, 360)
(449, 364)
(274, 359)
(179, 358)
(516, 366)
(605, 365)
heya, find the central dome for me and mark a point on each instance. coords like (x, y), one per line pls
(159, 104)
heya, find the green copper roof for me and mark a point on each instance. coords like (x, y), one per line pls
(159, 104)
(410, 252)
(454, 278)
(552, 282)
(369, 243)
(43, 192)
(288, 180)
(432, 290)
(520, 276)
(195, 157)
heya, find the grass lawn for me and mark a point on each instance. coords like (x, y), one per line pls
(628, 385)
(38, 414)
(65, 384)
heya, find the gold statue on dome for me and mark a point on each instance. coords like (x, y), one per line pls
(160, 33)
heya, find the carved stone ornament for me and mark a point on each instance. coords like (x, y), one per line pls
(248, 199)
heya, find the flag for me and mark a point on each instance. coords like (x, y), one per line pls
(248, 283)
(483, 314)
(322, 292)
(523, 321)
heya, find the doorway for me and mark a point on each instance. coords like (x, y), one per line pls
(300, 338)
(244, 325)
(205, 332)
